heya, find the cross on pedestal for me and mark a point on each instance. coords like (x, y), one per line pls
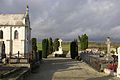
(108, 42)
(60, 41)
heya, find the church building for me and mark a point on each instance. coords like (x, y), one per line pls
(15, 31)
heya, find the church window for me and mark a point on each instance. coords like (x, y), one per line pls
(1, 34)
(16, 34)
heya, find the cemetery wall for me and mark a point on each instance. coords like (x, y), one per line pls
(93, 61)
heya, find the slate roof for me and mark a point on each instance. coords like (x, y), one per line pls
(12, 19)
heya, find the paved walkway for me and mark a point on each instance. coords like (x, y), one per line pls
(67, 69)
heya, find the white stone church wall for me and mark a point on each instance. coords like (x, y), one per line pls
(23, 43)
(19, 44)
(6, 37)
(21, 32)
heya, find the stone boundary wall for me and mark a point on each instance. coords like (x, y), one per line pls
(93, 61)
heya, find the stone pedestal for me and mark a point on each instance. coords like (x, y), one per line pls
(118, 69)
(60, 51)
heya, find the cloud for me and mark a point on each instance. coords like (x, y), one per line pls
(69, 18)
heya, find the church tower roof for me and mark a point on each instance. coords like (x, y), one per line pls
(27, 8)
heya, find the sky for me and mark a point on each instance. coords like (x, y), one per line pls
(67, 19)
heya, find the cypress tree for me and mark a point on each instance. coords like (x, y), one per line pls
(74, 49)
(34, 44)
(86, 41)
(56, 44)
(83, 41)
(50, 45)
(45, 48)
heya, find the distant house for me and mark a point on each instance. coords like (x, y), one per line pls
(15, 31)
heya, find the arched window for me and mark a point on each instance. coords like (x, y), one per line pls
(16, 34)
(1, 34)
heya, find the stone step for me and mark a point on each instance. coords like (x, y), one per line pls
(14, 74)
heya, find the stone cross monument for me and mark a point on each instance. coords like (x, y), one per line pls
(118, 68)
(108, 42)
(60, 41)
(60, 46)
(60, 51)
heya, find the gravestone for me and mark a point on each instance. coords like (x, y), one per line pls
(118, 68)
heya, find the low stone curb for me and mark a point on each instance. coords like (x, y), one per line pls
(23, 75)
(10, 72)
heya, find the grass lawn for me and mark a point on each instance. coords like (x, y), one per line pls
(39, 46)
(66, 45)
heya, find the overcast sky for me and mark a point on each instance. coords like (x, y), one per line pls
(69, 18)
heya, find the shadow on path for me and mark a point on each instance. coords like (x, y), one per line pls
(52, 65)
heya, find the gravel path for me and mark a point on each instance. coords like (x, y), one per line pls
(67, 69)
